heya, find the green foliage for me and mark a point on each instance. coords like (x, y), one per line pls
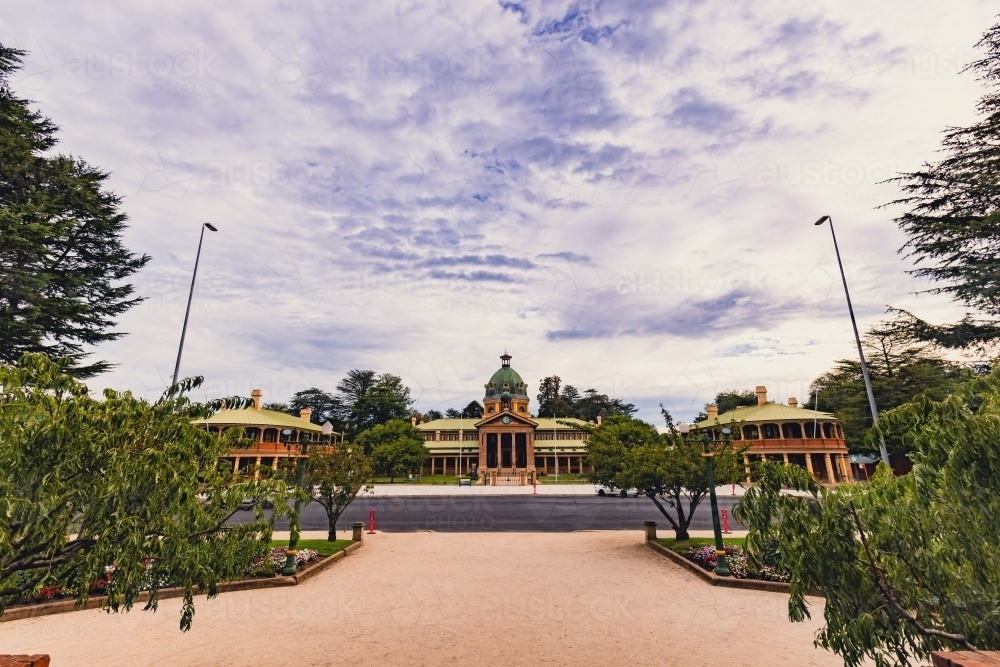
(953, 220)
(334, 477)
(900, 370)
(396, 448)
(627, 453)
(907, 564)
(570, 403)
(730, 400)
(62, 257)
(86, 485)
(366, 399)
(324, 407)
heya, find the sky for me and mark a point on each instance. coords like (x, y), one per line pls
(618, 193)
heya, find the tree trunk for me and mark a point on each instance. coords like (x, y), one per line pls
(331, 536)
(681, 534)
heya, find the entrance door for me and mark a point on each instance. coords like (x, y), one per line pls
(505, 449)
(491, 450)
(521, 449)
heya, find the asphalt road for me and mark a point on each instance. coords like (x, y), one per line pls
(505, 514)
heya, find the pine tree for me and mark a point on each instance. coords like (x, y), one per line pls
(62, 259)
(953, 221)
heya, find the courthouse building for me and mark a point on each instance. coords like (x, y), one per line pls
(785, 433)
(507, 446)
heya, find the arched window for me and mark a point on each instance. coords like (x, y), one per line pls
(252, 433)
(827, 430)
(520, 408)
(270, 435)
(770, 431)
(840, 431)
(750, 432)
(213, 429)
(812, 430)
(490, 409)
(791, 430)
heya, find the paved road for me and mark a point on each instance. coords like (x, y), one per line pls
(505, 514)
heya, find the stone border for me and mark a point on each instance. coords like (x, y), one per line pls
(62, 606)
(714, 579)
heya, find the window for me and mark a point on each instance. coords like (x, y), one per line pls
(520, 408)
(490, 409)
(491, 450)
(812, 430)
(506, 442)
(750, 432)
(840, 431)
(270, 435)
(770, 431)
(253, 433)
(792, 430)
(827, 430)
(521, 449)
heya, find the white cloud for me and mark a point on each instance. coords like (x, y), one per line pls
(619, 193)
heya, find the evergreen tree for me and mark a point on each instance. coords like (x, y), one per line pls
(62, 259)
(323, 405)
(953, 221)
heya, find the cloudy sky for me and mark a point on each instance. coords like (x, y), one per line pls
(620, 193)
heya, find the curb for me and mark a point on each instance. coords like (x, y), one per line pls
(714, 579)
(63, 606)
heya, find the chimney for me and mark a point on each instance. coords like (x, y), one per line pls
(761, 394)
(305, 413)
(599, 418)
(257, 396)
(712, 411)
(793, 402)
(413, 420)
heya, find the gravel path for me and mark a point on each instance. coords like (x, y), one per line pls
(589, 598)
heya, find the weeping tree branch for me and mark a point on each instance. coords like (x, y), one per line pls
(882, 581)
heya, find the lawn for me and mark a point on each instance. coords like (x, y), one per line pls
(322, 547)
(563, 479)
(695, 542)
(426, 479)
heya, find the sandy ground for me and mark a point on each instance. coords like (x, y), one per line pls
(589, 598)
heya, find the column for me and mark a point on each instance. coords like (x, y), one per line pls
(256, 471)
(746, 467)
(809, 464)
(784, 456)
(845, 464)
(829, 469)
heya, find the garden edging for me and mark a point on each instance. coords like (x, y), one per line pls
(62, 606)
(714, 579)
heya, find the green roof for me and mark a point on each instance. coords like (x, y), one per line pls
(255, 417)
(769, 412)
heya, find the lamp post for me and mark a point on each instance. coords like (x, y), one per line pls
(857, 339)
(187, 312)
(721, 567)
(293, 534)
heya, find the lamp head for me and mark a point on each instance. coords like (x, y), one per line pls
(822, 220)
(683, 428)
(327, 429)
(211, 227)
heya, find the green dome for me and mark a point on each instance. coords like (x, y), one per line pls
(506, 380)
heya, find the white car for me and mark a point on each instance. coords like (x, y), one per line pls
(622, 493)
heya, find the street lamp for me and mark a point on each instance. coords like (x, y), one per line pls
(721, 567)
(187, 313)
(293, 529)
(857, 339)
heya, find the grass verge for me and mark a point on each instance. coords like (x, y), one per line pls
(695, 542)
(322, 547)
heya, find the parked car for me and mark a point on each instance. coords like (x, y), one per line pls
(621, 493)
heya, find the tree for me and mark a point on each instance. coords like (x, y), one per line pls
(727, 400)
(907, 564)
(474, 410)
(396, 447)
(366, 399)
(627, 453)
(431, 415)
(62, 259)
(953, 217)
(570, 403)
(452, 413)
(335, 475)
(900, 370)
(87, 485)
(277, 407)
(323, 405)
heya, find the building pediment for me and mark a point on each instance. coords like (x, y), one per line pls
(513, 420)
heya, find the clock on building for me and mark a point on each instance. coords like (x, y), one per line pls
(505, 419)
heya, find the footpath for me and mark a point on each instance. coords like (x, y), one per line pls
(477, 490)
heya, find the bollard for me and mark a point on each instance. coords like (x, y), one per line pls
(725, 521)
(371, 522)
(359, 528)
(734, 490)
(650, 530)
(534, 487)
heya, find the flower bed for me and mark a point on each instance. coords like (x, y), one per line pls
(269, 566)
(739, 565)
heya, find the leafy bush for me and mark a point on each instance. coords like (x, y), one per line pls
(739, 565)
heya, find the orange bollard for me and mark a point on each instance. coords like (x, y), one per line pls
(371, 522)
(725, 521)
